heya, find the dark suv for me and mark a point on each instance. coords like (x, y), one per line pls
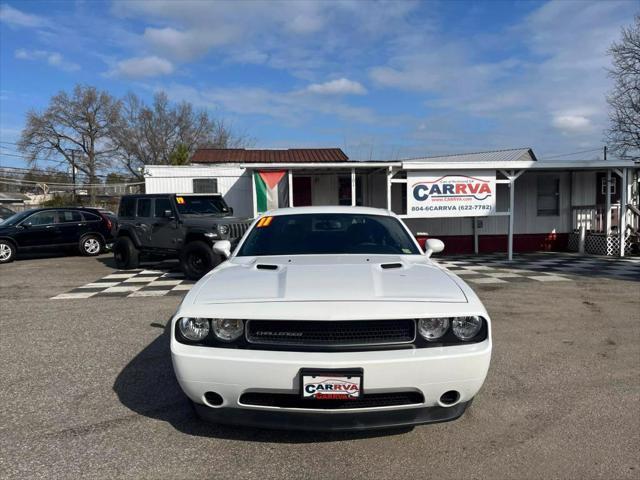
(86, 229)
(175, 225)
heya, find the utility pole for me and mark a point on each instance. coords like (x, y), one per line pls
(73, 170)
(605, 153)
(73, 174)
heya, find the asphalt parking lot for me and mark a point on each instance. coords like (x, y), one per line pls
(87, 391)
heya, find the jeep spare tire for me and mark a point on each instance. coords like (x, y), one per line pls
(197, 258)
(125, 254)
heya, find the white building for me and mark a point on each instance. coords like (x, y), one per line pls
(527, 205)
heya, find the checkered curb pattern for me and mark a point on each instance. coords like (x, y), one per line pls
(133, 283)
(166, 280)
(539, 267)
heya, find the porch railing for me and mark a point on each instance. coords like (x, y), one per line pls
(593, 217)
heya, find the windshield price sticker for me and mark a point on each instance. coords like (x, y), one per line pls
(451, 194)
(331, 388)
(180, 200)
(264, 222)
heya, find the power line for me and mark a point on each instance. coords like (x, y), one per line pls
(573, 153)
(64, 172)
(15, 181)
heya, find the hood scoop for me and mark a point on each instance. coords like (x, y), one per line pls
(388, 266)
(264, 266)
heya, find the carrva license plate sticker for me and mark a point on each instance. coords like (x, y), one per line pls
(331, 387)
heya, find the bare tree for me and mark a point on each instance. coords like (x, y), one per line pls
(74, 127)
(624, 130)
(163, 132)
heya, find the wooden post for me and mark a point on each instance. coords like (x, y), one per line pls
(290, 188)
(607, 205)
(389, 175)
(623, 209)
(476, 241)
(353, 187)
(254, 200)
(512, 181)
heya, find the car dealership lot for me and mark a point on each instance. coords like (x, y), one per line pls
(87, 390)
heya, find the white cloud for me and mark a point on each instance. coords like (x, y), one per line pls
(139, 67)
(287, 34)
(189, 44)
(572, 123)
(54, 59)
(341, 86)
(291, 107)
(15, 17)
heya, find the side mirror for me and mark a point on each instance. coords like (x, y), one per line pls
(26, 224)
(434, 246)
(222, 247)
(230, 211)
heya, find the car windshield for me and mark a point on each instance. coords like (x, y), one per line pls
(14, 219)
(201, 205)
(326, 234)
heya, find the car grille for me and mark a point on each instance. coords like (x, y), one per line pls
(330, 333)
(292, 400)
(236, 230)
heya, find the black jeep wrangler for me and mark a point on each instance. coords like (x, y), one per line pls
(175, 225)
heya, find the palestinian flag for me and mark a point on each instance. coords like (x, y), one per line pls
(272, 189)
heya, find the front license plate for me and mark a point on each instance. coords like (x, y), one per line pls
(331, 384)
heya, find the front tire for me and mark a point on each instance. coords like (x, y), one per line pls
(125, 254)
(7, 251)
(91, 245)
(197, 258)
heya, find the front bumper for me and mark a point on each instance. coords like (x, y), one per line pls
(345, 421)
(232, 372)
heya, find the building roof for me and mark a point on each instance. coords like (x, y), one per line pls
(511, 155)
(291, 155)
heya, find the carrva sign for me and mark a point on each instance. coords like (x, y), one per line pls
(451, 194)
(330, 388)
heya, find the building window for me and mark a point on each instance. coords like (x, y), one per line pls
(344, 190)
(612, 186)
(548, 195)
(205, 185)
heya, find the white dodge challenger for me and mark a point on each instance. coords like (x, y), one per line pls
(330, 318)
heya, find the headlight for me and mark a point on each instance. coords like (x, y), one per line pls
(465, 328)
(194, 329)
(433, 328)
(227, 329)
(223, 229)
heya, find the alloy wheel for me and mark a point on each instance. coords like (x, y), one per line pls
(91, 245)
(5, 252)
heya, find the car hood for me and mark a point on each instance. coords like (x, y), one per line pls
(208, 220)
(328, 278)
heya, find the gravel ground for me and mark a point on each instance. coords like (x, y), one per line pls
(87, 391)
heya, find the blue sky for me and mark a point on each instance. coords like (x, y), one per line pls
(379, 79)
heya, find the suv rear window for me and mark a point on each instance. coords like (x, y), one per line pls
(144, 207)
(127, 207)
(70, 216)
(90, 217)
